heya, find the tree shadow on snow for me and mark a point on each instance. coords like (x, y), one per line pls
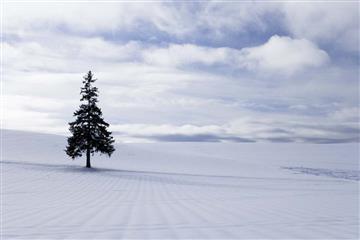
(152, 176)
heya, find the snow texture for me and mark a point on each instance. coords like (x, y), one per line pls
(336, 173)
(179, 190)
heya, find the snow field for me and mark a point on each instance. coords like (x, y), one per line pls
(179, 190)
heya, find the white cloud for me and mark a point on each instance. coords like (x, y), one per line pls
(222, 17)
(255, 127)
(81, 17)
(95, 17)
(349, 114)
(335, 23)
(186, 54)
(283, 54)
(151, 129)
(279, 54)
(33, 113)
(62, 53)
(178, 19)
(274, 126)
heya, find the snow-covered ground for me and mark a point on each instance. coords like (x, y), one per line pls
(179, 190)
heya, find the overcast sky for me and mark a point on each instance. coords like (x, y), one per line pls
(191, 71)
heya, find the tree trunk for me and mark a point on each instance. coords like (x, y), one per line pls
(88, 165)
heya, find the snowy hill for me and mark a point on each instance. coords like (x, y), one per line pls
(179, 190)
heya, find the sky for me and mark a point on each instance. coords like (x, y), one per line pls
(250, 71)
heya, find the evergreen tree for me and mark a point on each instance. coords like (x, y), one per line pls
(89, 133)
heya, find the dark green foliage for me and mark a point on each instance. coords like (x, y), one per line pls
(89, 131)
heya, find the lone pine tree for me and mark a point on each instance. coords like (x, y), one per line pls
(89, 130)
